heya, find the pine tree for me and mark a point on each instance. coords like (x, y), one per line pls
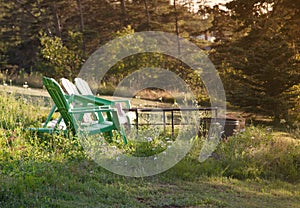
(262, 66)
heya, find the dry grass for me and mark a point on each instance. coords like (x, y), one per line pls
(24, 91)
(135, 102)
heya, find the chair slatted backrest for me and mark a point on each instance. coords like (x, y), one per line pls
(83, 86)
(69, 87)
(61, 102)
(84, 89)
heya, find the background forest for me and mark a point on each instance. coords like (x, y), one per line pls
(255, 43)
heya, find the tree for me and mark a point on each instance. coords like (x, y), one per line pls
(97, 20)
(21, 23)
(19, 28)
(262, 66)
(64, 61)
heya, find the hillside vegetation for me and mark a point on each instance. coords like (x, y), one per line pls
(257, 168)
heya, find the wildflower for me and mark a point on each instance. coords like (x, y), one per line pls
(282, 121)
(149, 139)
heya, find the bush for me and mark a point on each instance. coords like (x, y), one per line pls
(33, 79)
(255, 153)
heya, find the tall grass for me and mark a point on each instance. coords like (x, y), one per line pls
(26, 159)
(33, 79)
(54, 171)
(253, 154)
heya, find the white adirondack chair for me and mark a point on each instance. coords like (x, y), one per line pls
(83, 86)
(125, 118)
(70, 89)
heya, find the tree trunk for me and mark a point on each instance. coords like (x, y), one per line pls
(56, 20)
(176, 26)
(147, 14)
(123, 12)
(81, 25)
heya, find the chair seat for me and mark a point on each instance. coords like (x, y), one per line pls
(97, 128)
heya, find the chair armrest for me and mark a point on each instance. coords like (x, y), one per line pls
(91, 109)
(91, 99)
(98, 101)
(101, 101)
(127, 103)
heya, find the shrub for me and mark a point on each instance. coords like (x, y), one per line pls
(255, 153)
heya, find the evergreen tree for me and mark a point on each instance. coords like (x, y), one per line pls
(262, 65)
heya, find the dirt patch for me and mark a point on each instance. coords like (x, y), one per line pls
(24, 91)
(135, 102)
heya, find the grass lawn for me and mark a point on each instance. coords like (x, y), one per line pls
(83, 184)
(257, 168)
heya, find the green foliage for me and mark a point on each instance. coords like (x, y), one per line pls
(256, 154)
(257, 40)
(15, 114)
(65, 61)
(54, 171)
(260, 65)
(95, 21)
(130, 64)
(265, 92)
(294, 93)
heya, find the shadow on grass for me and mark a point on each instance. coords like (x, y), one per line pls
(81, 183)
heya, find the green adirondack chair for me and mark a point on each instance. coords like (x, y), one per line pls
(82, 88)
(72, 109)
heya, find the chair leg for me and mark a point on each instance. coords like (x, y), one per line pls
(123, 134)
(108, 136)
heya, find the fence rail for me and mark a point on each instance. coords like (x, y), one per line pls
(138, 111)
